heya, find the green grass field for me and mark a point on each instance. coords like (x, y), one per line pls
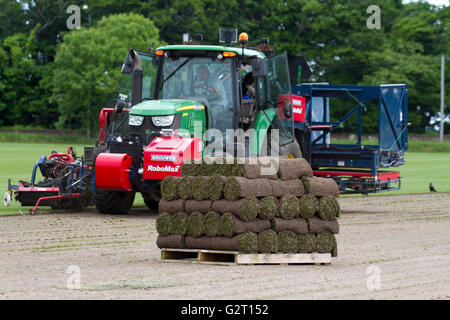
(17, 160)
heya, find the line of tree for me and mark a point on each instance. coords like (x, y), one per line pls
(57, 78)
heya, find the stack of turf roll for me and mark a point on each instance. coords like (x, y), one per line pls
(252, 205)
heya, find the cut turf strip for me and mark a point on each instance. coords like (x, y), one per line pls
(169, 187)
(199, 186)
(255, 168)
(289, 169)
(231, 225)
(306, 243)
(172, 241)
(320, 187)
(238, 187)
(269, 208)
(289, 207)
(287, 242)
(268, 241)
(171, 207)
(317, 225)
(189, 169)
(184, 190)
(179, 223)
(245, 243)
(191, 206)
(195, 224)
(297, 225)
(327, 208)
(246, 209)
(294, 187)
(215, 187)
(326, 241)
(199, 243)
(212, 224)
(309, 205)
(164, 224)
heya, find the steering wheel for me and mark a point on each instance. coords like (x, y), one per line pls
(211, 92)
(62, 156)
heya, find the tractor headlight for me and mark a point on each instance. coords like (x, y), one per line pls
(163, 121)
(135, 120)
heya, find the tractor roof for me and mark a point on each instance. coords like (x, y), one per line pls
(238, 51)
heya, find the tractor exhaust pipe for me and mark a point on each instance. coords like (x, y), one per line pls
(138, 74)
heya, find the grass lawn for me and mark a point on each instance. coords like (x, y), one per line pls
(17, 160)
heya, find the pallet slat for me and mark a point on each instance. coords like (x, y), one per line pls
(236, 258)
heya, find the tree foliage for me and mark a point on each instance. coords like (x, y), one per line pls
(88, 62)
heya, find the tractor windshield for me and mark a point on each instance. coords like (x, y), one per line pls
(203, 79)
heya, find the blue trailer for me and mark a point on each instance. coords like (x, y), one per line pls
(357, 168)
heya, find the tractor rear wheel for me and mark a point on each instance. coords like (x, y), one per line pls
(113, 202)
(150, 201)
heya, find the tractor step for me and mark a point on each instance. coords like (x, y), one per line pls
(219, 257)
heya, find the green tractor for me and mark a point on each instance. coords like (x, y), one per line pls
(234, 99)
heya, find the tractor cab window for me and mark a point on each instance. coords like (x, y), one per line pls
(201, 79)
(148, 81)
(279, 96)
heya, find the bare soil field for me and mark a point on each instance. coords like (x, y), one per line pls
(405, 237)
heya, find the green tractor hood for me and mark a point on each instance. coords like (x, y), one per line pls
(165, 107)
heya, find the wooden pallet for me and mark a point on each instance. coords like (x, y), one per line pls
(236, 258)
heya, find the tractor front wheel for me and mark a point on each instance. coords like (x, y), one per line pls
(113, 202)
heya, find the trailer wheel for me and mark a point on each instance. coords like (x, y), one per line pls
(113, 202)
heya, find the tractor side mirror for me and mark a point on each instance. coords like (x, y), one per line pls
(259, 67)
(128, 65)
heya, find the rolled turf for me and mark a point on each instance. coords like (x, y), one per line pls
(326, 241)
(287, 242)
(309, 205)
(289, 207)
(191, 206)
(171, 207)
(195, 225)
(189, 168)
(245, 243)
(294, 187)
(255, 168)
(164, 224)
(317, 225)
(306, 243)
(297, 225)
(289, 169)
(320, 187)
(212, 224)
(172, 241)
(268, 208)
(179, 223)
(230, 225)
(184, 190)
(206, 168)
(338, 207)
(268, 241)
(199, 243)
(169, 187)
(246, 209)
(236, 169)
(238, 187)
(199, 188)
(215, 187)
(327, 208)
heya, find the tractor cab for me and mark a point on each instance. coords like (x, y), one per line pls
(209, 92)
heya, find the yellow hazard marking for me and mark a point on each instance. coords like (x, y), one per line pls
(191, 107)
(185, 114)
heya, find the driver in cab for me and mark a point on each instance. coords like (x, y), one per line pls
(210, 87)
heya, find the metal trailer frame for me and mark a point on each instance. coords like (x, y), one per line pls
(356, 168)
